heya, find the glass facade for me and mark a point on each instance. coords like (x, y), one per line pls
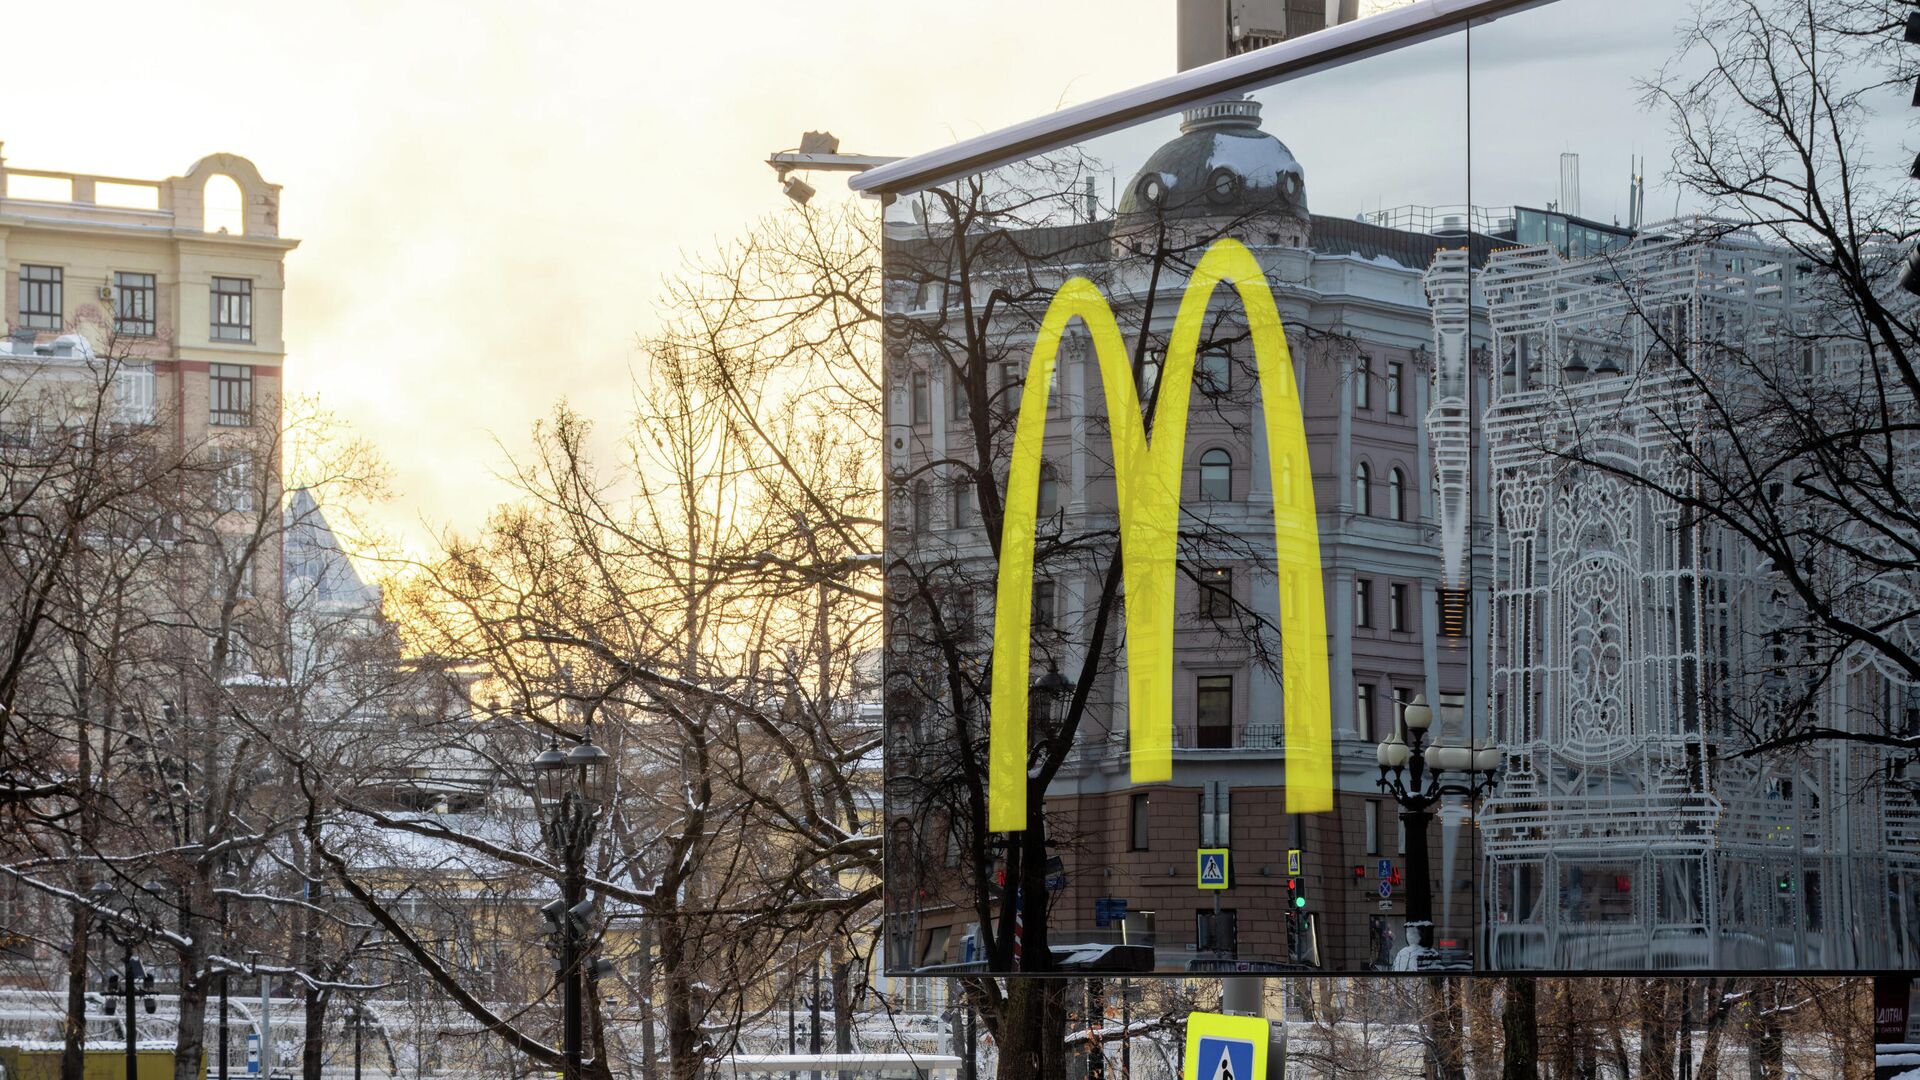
(1173, 552)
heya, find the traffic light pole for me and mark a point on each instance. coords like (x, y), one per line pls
(131, 991)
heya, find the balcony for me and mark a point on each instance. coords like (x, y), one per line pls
(1188, 735)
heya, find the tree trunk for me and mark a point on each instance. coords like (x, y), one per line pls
(647, 1058)
(1519, 1022)
(313, 1046)
(683, 1033)
(1482, 1044)
(1656, 1029)
(1033, 1030)
(190, 1044)
(73, 1048)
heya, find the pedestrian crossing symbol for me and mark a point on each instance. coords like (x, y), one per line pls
(1226, 1047)
(1213, 868)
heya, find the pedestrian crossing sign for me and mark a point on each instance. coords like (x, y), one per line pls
(1223, 1047)
(1213, 868)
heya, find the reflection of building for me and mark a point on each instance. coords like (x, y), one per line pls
(1358, 324)
(1625, 833)
(1209, 30)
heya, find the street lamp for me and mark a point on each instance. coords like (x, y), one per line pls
(127, 930)
(1418, 775)
(359, 1017)
(570, 789)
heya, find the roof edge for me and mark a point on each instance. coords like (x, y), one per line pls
(1400, 26)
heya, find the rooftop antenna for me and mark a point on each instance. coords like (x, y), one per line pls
(1570, 184)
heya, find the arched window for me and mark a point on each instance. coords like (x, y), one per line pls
(1216, 474)
(1362, 478)
(1396, 491)
(223, 207)
(922, 507)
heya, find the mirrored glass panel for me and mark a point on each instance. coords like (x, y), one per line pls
(1182, 541)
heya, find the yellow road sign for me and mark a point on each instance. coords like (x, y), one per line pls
(1223, 1047)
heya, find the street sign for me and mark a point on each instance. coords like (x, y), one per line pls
(1213, 867)
(1108, 910)
(1293, 862)
(1056, 873)
(1386, 867)
(1386, 889)
(1226, 1047)
(253, 1053)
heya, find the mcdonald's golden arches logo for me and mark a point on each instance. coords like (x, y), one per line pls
(1147, 476)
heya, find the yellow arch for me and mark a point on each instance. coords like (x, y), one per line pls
(1147, 477)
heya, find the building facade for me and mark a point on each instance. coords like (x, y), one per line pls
(1639, 646)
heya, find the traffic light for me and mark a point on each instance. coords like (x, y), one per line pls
(1296, 893)
(1786, 883)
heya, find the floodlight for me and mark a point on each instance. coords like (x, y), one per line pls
(797, 189)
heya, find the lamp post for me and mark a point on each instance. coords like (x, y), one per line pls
(358, 1016)
(1418, 775)
(126, 931)
(571, 788)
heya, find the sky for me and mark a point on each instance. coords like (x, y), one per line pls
(488, 195)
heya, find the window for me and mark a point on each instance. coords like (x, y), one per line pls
(921, 405)
(1362, 481)
(1214, 369)
(1216, 814)
(1045, 594)
(1137, 817)
(1363, 383)
(959, 405)
(1049, 495)
(1213, 712)
(233, 482)
(1150, 374)
(922, 507)
(1216, 474)
(236, 570)
(1010, 383)
(1396, 494)
(1217, 931)
(1216, 593)
(133, 304)
(962, 505)
(1363, 708)
(1397, 606)
(1362, 602)
(41, 297)
(232, 309)
(1402, 698)
(1394, 403)
(1373, 826)
(229, 395)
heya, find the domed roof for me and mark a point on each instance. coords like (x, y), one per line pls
(1221, 165)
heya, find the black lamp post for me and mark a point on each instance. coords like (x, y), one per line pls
(359, 1017)
(126, 930)
(1417, 775)
(227, 881)
(571, 787)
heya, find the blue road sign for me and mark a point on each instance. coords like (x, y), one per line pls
(1213, 868)
(1225, 1059)
(1386, 867)
(1386, 889)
